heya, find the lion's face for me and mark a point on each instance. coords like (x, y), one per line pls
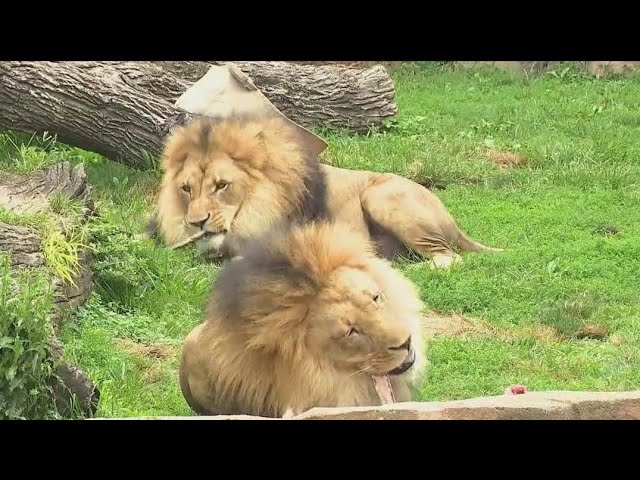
(232, 179)
(211, 190)
(359, 322)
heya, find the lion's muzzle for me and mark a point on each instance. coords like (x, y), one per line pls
(198, 221)
(406, 364)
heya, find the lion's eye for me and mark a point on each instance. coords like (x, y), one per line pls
(378, 298)
(352, 332)
(186, 188)
(220, 186)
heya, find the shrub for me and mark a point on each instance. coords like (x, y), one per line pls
(26, 364)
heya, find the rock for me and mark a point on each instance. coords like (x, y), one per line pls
(532, 406)
(552, 405)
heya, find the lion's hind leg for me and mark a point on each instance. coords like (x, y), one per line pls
(393, 210)
(444, 261)
(431, 245)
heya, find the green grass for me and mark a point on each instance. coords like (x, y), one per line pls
(578, 137)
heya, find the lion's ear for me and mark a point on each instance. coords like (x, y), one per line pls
(175, 151)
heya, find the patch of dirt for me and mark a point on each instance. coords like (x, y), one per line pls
(157, 351)
(548, 334)
(435, 324)
(414, 172)
(595, 332)
(617, 339)
(606, 230)
(541, 333)
(505, 159)
(152, 373)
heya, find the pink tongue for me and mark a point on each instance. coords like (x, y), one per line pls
(383, 387)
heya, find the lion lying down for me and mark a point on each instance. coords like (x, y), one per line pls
(307, 317)
(227, 181)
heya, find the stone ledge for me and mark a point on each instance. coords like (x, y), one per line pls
(552, 405)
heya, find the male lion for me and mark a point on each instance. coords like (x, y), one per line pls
(309, 316)
(230, 180)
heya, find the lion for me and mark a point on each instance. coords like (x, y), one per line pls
(230, 180)
(308, 316)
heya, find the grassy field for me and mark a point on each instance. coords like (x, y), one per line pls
(538, 166)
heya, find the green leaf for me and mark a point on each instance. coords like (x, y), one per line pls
(10, 373)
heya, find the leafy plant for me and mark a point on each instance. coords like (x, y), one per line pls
(26, 365)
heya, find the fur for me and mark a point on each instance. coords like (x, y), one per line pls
(274, 179)
(261, 161)
(302, 320)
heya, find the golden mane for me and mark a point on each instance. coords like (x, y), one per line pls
(255, 353)
(282, 180)
(280, 275)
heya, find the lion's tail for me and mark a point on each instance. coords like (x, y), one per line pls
(465, 243)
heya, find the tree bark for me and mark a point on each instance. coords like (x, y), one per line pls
(23, 243)
(313, 95)
(124, 110)
(86, 104)
(29, 193)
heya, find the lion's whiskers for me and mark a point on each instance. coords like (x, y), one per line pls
(366, 367)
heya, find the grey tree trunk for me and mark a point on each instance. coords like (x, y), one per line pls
(86, 104)
(315, 95)
(124, 110)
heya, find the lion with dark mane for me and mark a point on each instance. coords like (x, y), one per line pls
(308, 316)
(227, 181)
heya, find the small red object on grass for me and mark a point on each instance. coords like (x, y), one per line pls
(515, 390)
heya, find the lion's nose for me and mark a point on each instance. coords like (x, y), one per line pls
(200, 223)
(405, 346)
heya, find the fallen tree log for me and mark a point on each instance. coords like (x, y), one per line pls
(30, 194)
(124, 110)
(314, 95)
(311, 95)
(86, 104)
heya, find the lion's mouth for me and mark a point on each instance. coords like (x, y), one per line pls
(382, 383)
(383, 388)
(208, 234)
(406, 365)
